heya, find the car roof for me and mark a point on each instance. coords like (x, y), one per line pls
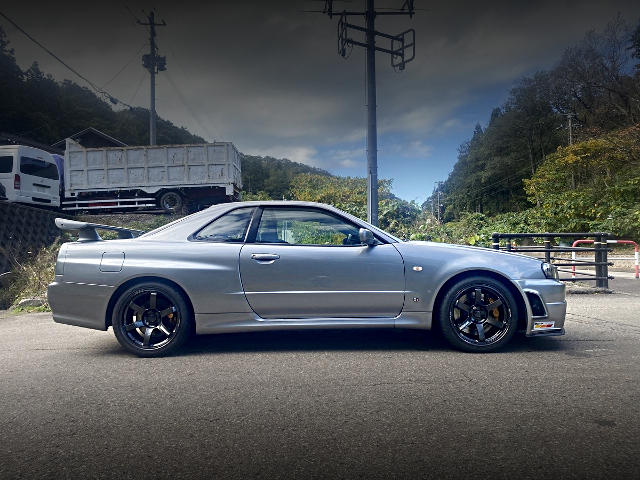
(197, 220)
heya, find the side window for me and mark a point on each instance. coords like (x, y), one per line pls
(305, 227)
(231, 227)
(38, 168)
(6, 163)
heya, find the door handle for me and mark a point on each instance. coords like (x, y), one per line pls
(265, 257)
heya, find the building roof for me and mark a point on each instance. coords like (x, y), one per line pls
(91, 138)
(10, 139)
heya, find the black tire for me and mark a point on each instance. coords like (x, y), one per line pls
(478, 314)
(171, 202)
(152, 319)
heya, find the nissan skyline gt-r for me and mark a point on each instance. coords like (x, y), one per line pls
(294, 265)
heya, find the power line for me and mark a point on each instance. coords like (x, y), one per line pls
(50, 53)
(194, 91)
(48, 123)
(98, 90)
(188, 106)
(122, 69)
(139, 85)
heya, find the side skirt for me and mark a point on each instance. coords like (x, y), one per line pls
(242, 322)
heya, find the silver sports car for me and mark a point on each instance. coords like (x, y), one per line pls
(294, 265)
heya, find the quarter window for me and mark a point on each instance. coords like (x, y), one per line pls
(231, 227)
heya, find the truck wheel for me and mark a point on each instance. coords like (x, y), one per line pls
(171, 202)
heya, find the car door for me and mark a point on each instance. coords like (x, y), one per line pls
(310, 263)
(39, 177)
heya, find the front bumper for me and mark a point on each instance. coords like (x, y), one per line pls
(546, 307)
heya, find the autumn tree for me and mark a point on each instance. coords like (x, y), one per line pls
(592, 185)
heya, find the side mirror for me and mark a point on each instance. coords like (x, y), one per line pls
(366, 237)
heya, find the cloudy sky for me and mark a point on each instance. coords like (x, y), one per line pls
(266, 74)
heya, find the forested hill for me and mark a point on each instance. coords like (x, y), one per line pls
(272, 176)
(34, 105)
(592, 92)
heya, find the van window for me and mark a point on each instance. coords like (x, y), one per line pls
(6, 163)
(38, 168)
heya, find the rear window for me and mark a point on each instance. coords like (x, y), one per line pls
(6, 163)
(38, 168)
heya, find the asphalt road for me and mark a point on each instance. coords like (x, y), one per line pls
(625, 281)
(333, 404)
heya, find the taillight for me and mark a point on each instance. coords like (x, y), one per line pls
(16, 182)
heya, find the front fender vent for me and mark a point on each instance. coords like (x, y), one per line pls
(537, 305)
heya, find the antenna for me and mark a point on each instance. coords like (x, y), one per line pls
(402, 51)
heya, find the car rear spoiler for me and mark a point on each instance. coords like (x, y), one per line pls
(89, 231)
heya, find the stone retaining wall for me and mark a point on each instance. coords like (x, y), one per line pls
(23, 228)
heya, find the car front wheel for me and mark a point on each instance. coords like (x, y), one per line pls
(478, 314)
(151, 319)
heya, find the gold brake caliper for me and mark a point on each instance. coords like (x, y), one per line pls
(495, 312)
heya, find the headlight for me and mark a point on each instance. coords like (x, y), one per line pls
(550, 271)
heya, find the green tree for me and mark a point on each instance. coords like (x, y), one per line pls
(592, 185)
(350, 194)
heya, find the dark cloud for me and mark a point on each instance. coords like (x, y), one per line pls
(266, 75)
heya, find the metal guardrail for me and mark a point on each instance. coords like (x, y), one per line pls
(599, 249)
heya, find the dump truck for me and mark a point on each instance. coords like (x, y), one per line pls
(171, 177)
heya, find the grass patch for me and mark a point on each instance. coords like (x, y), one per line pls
(31, 273)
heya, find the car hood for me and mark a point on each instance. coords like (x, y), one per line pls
(450, 258)
(469, 248)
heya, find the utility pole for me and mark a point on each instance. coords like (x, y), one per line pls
(439, 184)
(154, 64)
(372, 122)
(400, 45)
(569, 117)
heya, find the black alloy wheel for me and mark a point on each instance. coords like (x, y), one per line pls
(152, 319)
(478, 314)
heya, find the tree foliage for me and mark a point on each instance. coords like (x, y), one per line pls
(592, 186)
(594, 85)
(270, 178)
(34, 105)
(350, 194)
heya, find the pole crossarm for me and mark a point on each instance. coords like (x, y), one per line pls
(395, 51)
(408, 6)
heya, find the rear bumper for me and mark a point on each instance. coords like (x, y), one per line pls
(77, 304)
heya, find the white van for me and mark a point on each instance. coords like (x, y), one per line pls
(29, 175)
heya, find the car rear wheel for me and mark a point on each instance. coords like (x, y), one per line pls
(152, 319)
(478, 314)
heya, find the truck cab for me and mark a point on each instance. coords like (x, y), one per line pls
(29, 175)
